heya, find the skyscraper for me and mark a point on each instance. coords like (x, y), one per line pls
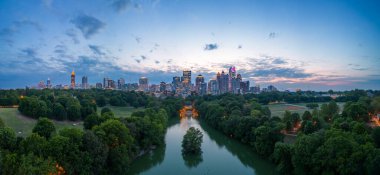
(187, 76)
(120, 83)
(73, 79)
(198, 81)
(84, 82)
(105, 82)
(48, 83)
(143, 84)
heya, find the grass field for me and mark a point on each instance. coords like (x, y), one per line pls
(23, 126)
(279, 109)
(122, 112)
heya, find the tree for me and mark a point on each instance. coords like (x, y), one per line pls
(97, 150)
(1, 123)
(101, 101)
(264, 143)
(73, 112)
(35, 144)
(307, 116)
(283, 157)
(91, 120)
(113, 133)
(192, 141)
(376, 136)
(104, 110)
(7, 138)
(44, 128)
(59, 112)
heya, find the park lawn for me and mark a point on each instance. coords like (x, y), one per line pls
(300, 108)
(23, 126)
(122, 112)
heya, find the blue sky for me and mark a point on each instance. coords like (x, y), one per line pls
(308, 44)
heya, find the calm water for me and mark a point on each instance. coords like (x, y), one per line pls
(221, 155)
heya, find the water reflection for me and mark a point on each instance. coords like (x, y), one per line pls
(221, 155)
(192, 161)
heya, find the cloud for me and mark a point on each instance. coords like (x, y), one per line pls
(240, 46)
(47, 3)
(88, 25)
(143, 57)
(96, 50)
(282, 72)
(138, 39)
(29, 52)
(272, 35)
(279, 61)
(122, 5)
(157, 62)
(357, 67)
(137, 60)
(73, 35)
(60, 49)
(19, 25)
(211, 46)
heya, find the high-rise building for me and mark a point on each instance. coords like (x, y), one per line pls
(105, 82)
(143, 84)
(223, 80)
(48, 83)
(41, 85)
(120, 83)
(73, 79)
(85, 82)
(256, 89)
(176, 82)
(213, 87)
(99, 85)
(202, 88)
(244, 87)
(187, 76)
(198, 81)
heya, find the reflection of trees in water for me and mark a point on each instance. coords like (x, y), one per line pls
(146, 162)
(192, 160)
(244, 153)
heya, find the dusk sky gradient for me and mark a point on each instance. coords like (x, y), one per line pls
(307, 44)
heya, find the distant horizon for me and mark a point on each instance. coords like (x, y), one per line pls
(311, 45)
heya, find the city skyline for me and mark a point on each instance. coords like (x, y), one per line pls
(313, 45)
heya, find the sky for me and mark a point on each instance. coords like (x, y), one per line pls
(306, 44)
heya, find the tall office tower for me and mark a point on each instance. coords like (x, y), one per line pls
(84, 82)
(187, 76)
(73, 79)
(213, 87)
(202, 88)
(222, 82)
(111, 84)
(41, 85)
(120, 83)
(143, 84)
(231, 78)
(176, 82)
(105, 82)
(244, 87)
(198, 81)
(48, 83)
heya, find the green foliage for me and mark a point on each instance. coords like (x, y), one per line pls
(104, 110)
(7, 138)
(101, 101)
(192, 141)
(73, 112)
(2, 124)
(376, 136)
(35, 144)
(312, 105)
(91, 121)
(44, 127)
(283, 157)
(59, 112)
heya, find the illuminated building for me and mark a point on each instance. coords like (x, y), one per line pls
(198, 82)
(223, 80)
(73, 79)
(187, 76)
(244, 87)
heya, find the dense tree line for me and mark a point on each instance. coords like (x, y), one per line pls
(330, 140)
(107, 147)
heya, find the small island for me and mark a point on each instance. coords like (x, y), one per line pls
(192, 142)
